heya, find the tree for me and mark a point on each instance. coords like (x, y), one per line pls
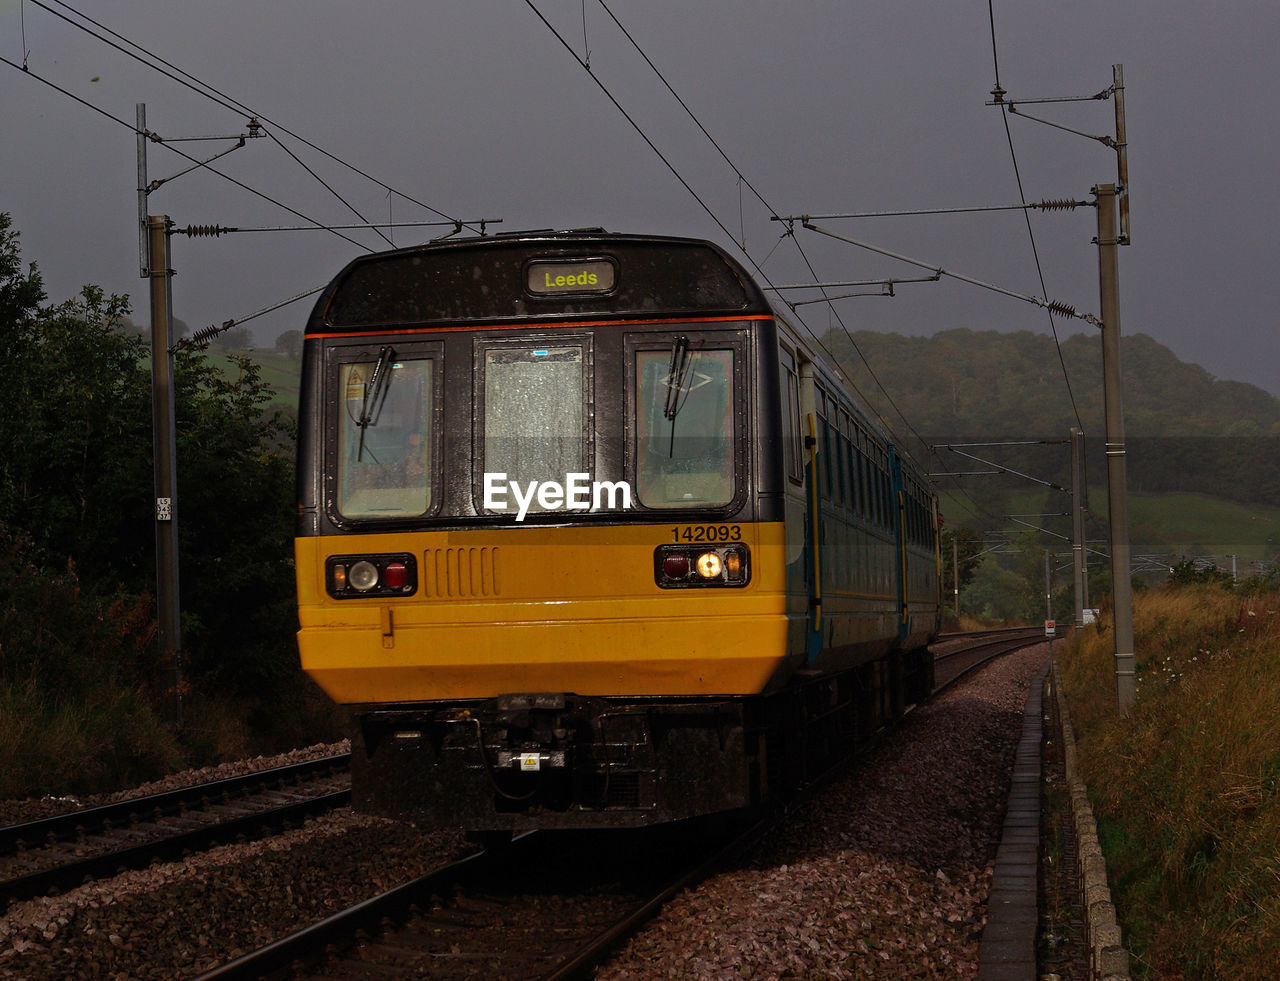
(78, 408)
(233, 339)
(968, 549)
(1189, 572)
(289, 343)
(76, 474)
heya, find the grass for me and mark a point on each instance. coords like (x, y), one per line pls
(283, 373)
(107, 738)
(1186, 790)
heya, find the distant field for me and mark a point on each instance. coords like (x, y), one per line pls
(1195, 525)
(280, 371)
(1177, 525)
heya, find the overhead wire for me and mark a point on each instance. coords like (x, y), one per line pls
(172, 149)
(998, 92)
(211, 92)
(743, 180)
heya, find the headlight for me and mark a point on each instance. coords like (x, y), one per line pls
(709, 565)
(362, 576)
(716, 565)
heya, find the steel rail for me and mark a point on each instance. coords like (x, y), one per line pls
(313, 939)
(166, 847)
(36, 832)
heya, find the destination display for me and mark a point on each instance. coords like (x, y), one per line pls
(575, 276)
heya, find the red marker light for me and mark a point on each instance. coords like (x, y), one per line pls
(395, 575)
(675, 566)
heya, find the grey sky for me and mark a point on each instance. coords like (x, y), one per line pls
(479, 111)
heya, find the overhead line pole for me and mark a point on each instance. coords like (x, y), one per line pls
(1079, 574)
(153, 258)
(153, 245)
(164, 441)
(1117, 498)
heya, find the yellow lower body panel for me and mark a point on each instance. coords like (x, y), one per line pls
(543, 610)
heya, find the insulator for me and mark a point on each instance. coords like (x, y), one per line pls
(1066, 309)
(206, 334)
(205, 231)
(1059, 205)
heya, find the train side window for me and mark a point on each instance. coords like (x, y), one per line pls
(825, 454)
(384, 448)
(685, 428)
(859, 492)
(841, 458)
(532, 408)
(886, 499)
(868, 484)
(882, 503)
(792, 439)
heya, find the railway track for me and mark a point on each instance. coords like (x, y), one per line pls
(62, 852)
(977, 649)
(553, 905)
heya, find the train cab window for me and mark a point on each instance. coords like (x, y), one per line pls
(384, 452)
(531, 413)
(685, 426)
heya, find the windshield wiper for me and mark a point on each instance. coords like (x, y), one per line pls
(374, 394)
(681, 362)
(675, 378)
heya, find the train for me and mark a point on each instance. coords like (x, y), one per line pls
(589, 535)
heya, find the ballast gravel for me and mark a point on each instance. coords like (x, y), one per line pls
(883, 875)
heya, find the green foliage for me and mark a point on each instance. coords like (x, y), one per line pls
(1000, 595)
(961, 547)
(76, 704)
(1189, 573)
(78, 393)
(105, 738)
(77, 531)
(235, 486)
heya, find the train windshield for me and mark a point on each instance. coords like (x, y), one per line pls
(533, 407)
(684, 426)
(384, 435)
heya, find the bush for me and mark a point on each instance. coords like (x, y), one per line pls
(80, 742)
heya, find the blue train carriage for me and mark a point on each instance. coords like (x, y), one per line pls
(587, 536)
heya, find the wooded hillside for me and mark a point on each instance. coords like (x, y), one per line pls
(1185, 429)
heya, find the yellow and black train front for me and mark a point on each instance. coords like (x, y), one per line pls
(543, 548)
